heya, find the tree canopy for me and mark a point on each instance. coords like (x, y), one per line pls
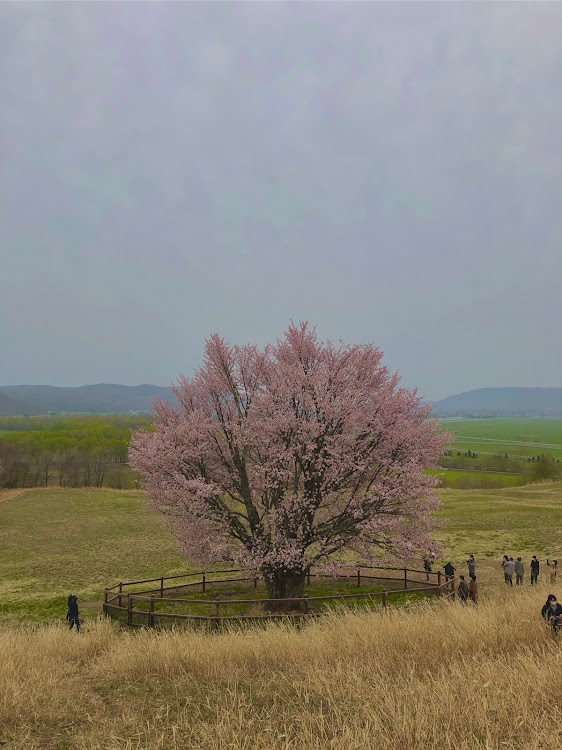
(304, 453)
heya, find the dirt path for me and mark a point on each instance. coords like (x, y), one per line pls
(6, 495)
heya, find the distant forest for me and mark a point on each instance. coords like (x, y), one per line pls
(72, 451)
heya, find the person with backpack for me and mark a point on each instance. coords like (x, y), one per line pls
(534, 570)
(552, 564)
(72, 615)
(462, 589)
(552, 613)
(519, 572)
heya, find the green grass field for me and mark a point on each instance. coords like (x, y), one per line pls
(489, 523)
(454, 479)
(55, 541)
(544, 436)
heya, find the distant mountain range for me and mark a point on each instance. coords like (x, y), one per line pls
(505, 402)
(105, 398)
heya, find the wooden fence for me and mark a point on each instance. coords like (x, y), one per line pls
(126, 600)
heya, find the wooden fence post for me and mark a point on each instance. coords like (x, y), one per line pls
(405, 578)
(204, 577)
(358, 578)
(151, 612)
(129, 609)
(384, 598)
(305, 605)
(308, 577)
(439, 591)
(162, 587)
(255, 582)
(105, 594)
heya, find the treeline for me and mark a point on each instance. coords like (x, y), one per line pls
(72, 421)
(69, 452)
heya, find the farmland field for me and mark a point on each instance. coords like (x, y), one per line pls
(505, 435)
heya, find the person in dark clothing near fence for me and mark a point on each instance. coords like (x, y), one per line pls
(449, 570)
(471, 562)
(427, 566)
(552, 613)
(72, 615)
(534, 570)
(463, 589)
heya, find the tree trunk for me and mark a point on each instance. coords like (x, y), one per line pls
(284, 585)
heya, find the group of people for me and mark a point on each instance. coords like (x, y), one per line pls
(467, 590)
(513, 567)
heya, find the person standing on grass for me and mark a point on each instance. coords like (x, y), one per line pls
(449, 570)
(509, 571)
(462, 589)
(504, 563)
(72, 615)
(534, 570)
(427, 566)
(473, 590)
(471, 562)
(552, 613)
(519, 572)
(552, 564)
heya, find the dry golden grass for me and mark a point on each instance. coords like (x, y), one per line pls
(441, 676)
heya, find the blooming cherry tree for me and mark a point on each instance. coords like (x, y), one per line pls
(304, 453)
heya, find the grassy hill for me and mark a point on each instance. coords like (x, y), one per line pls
(54, 541)
(439, 676)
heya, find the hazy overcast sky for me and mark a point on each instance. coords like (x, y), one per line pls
(390, 172)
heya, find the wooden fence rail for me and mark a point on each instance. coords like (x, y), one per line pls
(113, 596)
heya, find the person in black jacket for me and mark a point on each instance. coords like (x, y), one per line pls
(72, 614)
(534, 570)
(552, 613)
(463, 589)
(449, 570)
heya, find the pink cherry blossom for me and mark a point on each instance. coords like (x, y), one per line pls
(305, 453)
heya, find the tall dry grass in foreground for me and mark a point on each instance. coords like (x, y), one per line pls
(439, 676)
